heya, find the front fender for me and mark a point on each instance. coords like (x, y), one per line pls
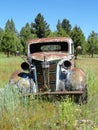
(23, 82)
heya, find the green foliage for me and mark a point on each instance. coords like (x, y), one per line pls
(1, 35)
(58, 26)
(25, 35)
(68, 114)
(10, 26)
(53, 34)
(10, 43)
(63, 28)
(61, 32)
(8, 66)
(66, 25)
(78, 39)
(40, 26)
(77, 36)
(92, 43)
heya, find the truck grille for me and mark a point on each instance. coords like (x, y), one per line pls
(46, 77)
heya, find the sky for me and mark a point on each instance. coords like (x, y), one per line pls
(83, 13)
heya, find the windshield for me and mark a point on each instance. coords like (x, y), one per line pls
(46, 47)
(50, 48)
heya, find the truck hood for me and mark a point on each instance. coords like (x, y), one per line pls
(49, 56)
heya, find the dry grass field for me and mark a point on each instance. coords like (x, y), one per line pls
(24, 114)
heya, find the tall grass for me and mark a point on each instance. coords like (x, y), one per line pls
(32, 114)
(7, 66)
(23, 113)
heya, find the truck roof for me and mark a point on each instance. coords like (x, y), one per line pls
(50, 40)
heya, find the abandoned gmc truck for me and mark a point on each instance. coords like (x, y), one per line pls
(50, 69)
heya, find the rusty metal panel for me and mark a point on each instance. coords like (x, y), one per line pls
(54, 39)
(50, 75)
(49, 56)
(60, 93)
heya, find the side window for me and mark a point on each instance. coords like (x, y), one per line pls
(72, 48)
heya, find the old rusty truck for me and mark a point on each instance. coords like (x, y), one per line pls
(49, 69)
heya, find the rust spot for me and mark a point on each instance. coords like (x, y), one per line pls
(49, 56)
(46, 40)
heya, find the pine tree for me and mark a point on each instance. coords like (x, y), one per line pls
(10, 43)
(63, 28)
(66, 26)
(92, 43)
(78, 39)
(10, 26)
(25, 35)
(40, 26)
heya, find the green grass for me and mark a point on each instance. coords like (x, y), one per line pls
(18, 113)
(7, 66)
